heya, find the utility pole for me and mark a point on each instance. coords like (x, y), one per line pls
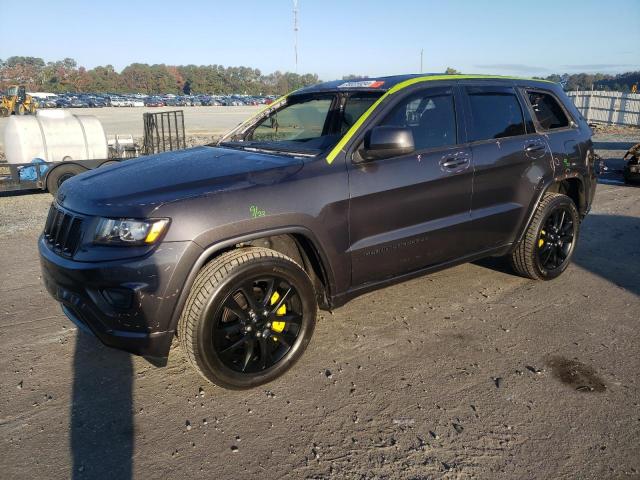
(295, 31)
(421, 52)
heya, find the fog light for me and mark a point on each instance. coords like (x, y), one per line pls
(121, 298)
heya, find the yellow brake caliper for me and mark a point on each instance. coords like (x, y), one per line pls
(541, 240)
(278, 326)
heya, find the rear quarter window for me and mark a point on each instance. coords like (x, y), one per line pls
(494, 114)
(547, 110)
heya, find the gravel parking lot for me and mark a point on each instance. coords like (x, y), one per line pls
(468, 373)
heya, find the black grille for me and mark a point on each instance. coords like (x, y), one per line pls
(62, 231)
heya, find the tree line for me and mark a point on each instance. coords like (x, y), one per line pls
(622, 82)
(67, 76)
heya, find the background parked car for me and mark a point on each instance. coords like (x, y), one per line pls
(153, 102)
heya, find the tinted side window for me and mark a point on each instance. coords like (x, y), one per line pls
(547, 110)
(430, 116)
(495, 114)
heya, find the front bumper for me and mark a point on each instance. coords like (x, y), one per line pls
(146, 291)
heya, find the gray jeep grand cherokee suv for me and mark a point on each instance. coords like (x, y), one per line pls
(331, 191)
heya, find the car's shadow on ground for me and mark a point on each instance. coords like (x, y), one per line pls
(102, 431)
(600, 251)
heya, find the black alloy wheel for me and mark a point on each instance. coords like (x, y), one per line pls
(249, 317)
(546, 248)
(257, 323)
(555, 242)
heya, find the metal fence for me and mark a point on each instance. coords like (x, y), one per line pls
(163, 132)
(608, 107)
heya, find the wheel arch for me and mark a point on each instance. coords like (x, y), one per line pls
(572, 186)
(298, 243)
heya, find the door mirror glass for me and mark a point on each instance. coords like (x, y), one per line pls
(387, 141)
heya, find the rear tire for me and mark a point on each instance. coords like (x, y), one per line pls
(544, 253)
(61, 174)
(233, 331)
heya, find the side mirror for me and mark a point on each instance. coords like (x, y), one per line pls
(386, 142)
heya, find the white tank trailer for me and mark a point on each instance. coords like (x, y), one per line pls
(54, 136)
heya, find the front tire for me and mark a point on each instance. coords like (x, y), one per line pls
(249, 317)
(546, 249)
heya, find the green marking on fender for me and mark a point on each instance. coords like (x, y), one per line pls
(256, 212)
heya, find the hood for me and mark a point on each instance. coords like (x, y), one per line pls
(135, 188)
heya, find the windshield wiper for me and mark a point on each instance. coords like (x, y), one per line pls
(269, 148)
(234, 144)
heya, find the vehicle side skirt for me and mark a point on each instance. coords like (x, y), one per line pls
(342, 298)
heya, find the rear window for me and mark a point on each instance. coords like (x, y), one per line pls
(547, 110)
(495, 114)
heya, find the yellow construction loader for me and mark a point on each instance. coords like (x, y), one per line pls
(16, 102)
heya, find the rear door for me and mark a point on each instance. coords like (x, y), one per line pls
(556, 124)
(509, 158)
(408, 212)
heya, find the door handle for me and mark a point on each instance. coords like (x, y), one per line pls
(453, 162)
(534, 147)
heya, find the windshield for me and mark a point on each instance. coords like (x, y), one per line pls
(301, 122)
(305, 124)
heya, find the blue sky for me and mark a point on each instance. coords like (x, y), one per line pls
(336, 37)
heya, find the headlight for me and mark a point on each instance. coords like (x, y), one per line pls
(127, 231)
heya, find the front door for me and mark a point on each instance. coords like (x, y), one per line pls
(409, 212)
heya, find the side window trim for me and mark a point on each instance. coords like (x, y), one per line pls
(490, 88)
(572, 124)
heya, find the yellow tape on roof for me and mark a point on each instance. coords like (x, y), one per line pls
(407, 83)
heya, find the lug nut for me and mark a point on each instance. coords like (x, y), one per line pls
(268, 324)
(258, 334)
